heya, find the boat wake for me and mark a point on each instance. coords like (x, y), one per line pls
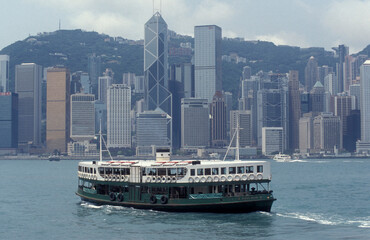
(297, 160)
(90, 205)
(321, 219)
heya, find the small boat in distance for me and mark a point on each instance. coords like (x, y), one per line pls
(54, 157)
(282, 158)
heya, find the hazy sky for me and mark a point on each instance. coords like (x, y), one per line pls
(304, 23)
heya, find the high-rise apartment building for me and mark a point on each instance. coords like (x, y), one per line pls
(4, 73)
(8, 120)
(157, 95)
(218, 120)
(82, 117)
(28, 78)
(294, 110)
(207, 61)
(194, 123)
(118, 116)
(57, 109)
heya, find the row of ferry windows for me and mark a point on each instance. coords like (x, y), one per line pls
(223, 170)
(86, 169)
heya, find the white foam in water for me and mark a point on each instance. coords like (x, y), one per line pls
(90, 205)
(297, 160)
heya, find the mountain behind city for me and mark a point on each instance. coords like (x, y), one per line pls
(71, 48)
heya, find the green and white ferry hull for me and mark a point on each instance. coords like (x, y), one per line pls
(178, 186)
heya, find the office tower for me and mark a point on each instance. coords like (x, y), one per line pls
(305, 102)
(151, 130)
(359, 60)
(273, 106)
(57, 109)
(317, 98)
(118, 116)
(330, 83)
(347, 74)
(8, 121)
(342, 109)
(104, 83)
(353, 130)
(139, 84)
(327, 132)
(100, 116)
(94, 71)
(157, 95)
(194, 123)
(129, 78)
(218, 120)
(306, 133)
(364, 144)
(4, 73)
(294, 110)
(310, 73)
(272, 140)
(250, 89)
(28, 77)
(245, 127)
(80, 83)
(207, 61)
(322, 72)
(355, 91)
(341, 51)
(184, 73)
(247, 72)
(82, 117)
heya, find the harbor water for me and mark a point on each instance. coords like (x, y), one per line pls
(316, 199)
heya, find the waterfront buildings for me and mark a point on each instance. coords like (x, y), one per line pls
(272, 140)
(306, 142)
(82, 117)
(310, 73)
(364, 144)
(207, 61)
(342, 109)
(94, 71)
(327, 132)
(118, 116)
(28, 77)
(218, 120)
(57, 110)
(103, 85)
(8, 122)
(295, 110)
(4, 73)
(244, 117)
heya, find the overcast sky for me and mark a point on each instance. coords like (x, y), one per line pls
(303, 23)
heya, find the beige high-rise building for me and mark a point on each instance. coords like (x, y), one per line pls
(57, 109)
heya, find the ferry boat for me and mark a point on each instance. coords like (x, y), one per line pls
(178, 186)
(282, 158)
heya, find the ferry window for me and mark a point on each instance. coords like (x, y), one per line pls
(125, 171)
(101, 170)
(249, 169)
(232, 170)
(171, 171)
(214, 171)
(240, 169)
(143, 171)
(161, 171)
(260, 168)
(108, 170)
(192, 172)
(151, 171)
(91, 170)
(181, 171)
(200, 171)
(116, 171)
(94, 170)
(223, 170)
(207, 171)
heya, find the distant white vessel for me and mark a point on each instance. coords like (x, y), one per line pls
(282, 158)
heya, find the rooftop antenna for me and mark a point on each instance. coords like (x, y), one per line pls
(155, 9)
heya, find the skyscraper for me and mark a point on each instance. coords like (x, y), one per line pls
(194, 123)
(306, 133)
(94, 70)
(294, 110)
(310, 73)
(207, 61)
(342, 109)
(245, 125)
(4, 73)
(317, 98)
(8, 120)
(118, 116)
(82, 117)
(103, 85)
(157, 95)
(57, 109)
(342, 51)
(28, 77)
(218, 121)
(364, 144)
(272, 140)
(327, 132)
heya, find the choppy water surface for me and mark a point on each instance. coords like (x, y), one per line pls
(317, 199)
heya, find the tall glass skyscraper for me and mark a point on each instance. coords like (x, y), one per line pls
(4, 73)
(157, 94)
(207, 61)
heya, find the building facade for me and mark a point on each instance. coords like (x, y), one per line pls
(57, 110)
(294, 110)
(244, 117)
(327, 132)
(82, 117)
(207, 61)
(218, 120)
(4, 73)
(272, 140)
(8, 120)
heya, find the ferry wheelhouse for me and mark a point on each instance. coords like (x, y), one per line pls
(183, 186)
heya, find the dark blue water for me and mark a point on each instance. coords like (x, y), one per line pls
(317, 199)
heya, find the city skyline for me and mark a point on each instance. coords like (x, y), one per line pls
(333, 21)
